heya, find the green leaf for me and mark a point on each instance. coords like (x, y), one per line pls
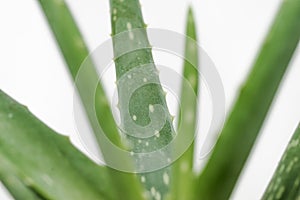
(242, 127)
(285, 184)
(183, 184)
(16, 187)
(46, 161)
(135, 66)
(75, 52)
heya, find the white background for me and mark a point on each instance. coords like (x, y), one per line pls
(33, 72)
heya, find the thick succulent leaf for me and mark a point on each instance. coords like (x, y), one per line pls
(242, 127)
(75, 52)
(45, 161)
(18, 188)
(183, 184)
(134, 66)
(285, 184)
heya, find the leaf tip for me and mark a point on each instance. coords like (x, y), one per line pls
(190, 13)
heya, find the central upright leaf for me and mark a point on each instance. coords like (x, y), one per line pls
(145, 119)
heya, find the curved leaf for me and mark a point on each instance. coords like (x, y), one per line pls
(243, 124)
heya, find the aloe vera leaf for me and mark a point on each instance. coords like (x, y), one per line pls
(183, 184)
(285, 183)
(128, 32)
(16, 187)
(47, 161)
(223, 168)
(73, 47)
(18, 190)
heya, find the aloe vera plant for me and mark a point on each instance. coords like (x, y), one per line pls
(48, 166)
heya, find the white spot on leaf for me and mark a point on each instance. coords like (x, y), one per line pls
(157, 196)
(166, 178)
(153, 191)
(129, 27)
(156, 133)
(151, 108)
